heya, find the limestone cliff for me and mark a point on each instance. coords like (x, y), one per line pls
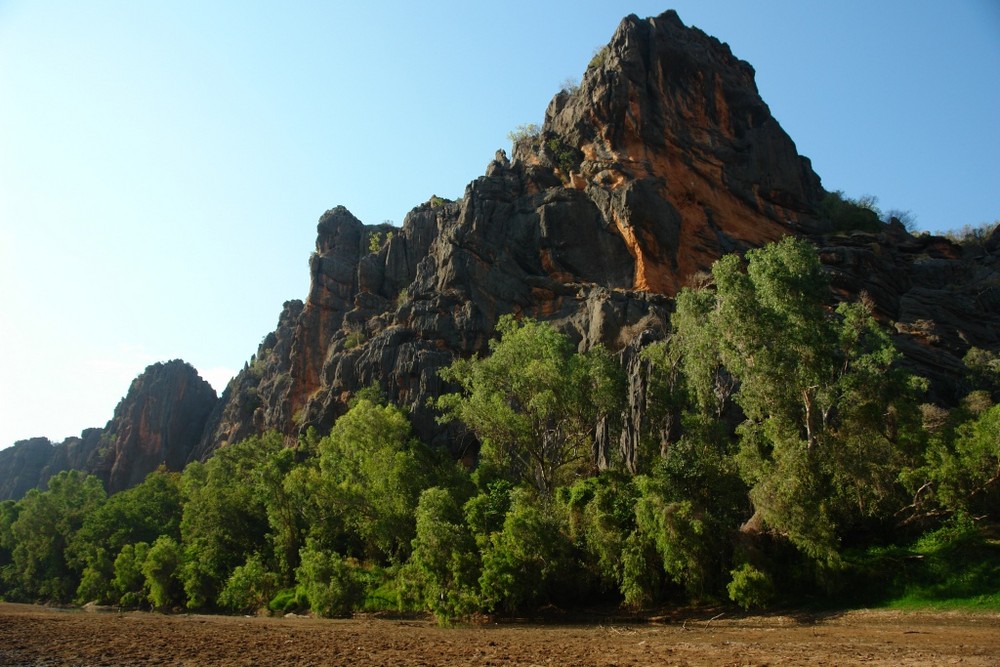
(158, 422)
(663, 159)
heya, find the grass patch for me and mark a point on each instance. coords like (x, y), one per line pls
(952, 568)
(381, 589)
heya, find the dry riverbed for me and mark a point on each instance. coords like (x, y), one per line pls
(32, 635)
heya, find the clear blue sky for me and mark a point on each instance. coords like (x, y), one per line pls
(163, 164)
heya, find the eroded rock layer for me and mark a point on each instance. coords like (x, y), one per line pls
(662, 160)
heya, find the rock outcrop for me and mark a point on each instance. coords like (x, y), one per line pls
(662, 160)
(159, 422)
(938, 297)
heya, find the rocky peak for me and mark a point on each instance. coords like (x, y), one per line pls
(159, 422)
(664, 159)
(668, 135)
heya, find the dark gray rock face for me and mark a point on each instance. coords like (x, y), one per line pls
(940, 298)
(159, 422)
(664, 159)
(22, 467)
(31, 463)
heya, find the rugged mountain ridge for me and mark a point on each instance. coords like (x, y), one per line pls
(663, 159)
(158, 422)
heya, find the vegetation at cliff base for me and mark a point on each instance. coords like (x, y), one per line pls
(786, 458)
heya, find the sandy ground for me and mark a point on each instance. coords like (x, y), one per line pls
(31, 635)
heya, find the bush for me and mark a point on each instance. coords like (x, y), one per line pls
(848, 215)
(442, 571)
(528, 562)
(601, 519)
(568, 158)
(750, 587)
(971, 235)
(289, 600)
(525, 132)
(685, 538)
(329, 581)
(599, 57)
(354, 338)
(160, 569)
(641, 577)
(249, 587)
(129, 582)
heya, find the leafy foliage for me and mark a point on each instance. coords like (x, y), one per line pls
(45, 524)
(137, 515)
(161, 569)
(443, 570)
(750, 587)
(849, 215)
(129, 582)
(528, 561)
(226, 513)
(534, 403)
(525, 132)
(249, 587)
(780, 437)
(816, 447)
(330, 582)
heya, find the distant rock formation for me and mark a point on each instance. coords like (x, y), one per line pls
(159, 422)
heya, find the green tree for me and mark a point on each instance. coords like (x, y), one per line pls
(686, 540)
(129, 582)
(330, 581)
(139, 514)
(443, 569)
(249, 587)
(226, 512)
(371, 472)
(485, 511)
(8, 575)
(983, 371)
(46, 523)
(529, 561)
(601, 514)
(534, 403)
(161, 569)
(827, 415)
(964, 469)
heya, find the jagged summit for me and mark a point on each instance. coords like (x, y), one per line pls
(663, 159)
(668, 133)
(158, 422)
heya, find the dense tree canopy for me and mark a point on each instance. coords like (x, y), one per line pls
(786, 455)
(534, 402)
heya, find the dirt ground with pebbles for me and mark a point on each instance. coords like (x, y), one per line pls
(32, 635)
